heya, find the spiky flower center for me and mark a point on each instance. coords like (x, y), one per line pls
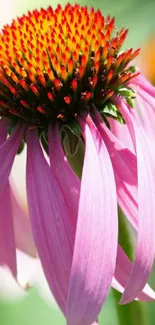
(55, 63)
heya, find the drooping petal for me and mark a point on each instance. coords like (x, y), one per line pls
(12, 219)
(144, 107)
(142, 82)
(124, 163)
(122, 133)
(63, 172)
(22, 227)
(145, 250)
(144, 104)
(8, 151)
(145, 112)
(68, 181)
(125, 171)
(7, 242)
(122, 273)
(50, 221)
(96, 235)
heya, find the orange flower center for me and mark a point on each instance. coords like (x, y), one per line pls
(54, 63)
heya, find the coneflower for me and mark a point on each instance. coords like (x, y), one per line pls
(59, 68)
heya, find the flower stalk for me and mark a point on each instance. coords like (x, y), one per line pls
(128, 314)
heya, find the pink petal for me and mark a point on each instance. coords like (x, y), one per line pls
(125, 171)
(144, 84)
(7, 242)
(144, 107)
(145, 250)
(124, 164)
(8, 151)
(14, 219)
(71, 187)
(145, 104)
(22, 227)
(122, 133)
(122, 272)
(68, 181)
(96, 235)
(50, 221)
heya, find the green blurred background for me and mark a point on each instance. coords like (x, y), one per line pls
(139, 17)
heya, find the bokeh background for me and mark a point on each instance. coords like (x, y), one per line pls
(36, 307)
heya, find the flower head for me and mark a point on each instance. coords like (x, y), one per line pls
(59, 67)
(54, 63)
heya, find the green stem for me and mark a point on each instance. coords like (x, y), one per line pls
(133, 313)
(130, 314)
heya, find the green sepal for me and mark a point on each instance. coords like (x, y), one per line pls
(12, 126)
(71, 135)
(129, 101)
(73, 146)
(111, 110)
(21, 148)
(132, 69)
(44, 141)
(74, 127)
(127, 92)
(10, 131)
(76, 161)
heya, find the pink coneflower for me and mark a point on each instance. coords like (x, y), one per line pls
(61, 68)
